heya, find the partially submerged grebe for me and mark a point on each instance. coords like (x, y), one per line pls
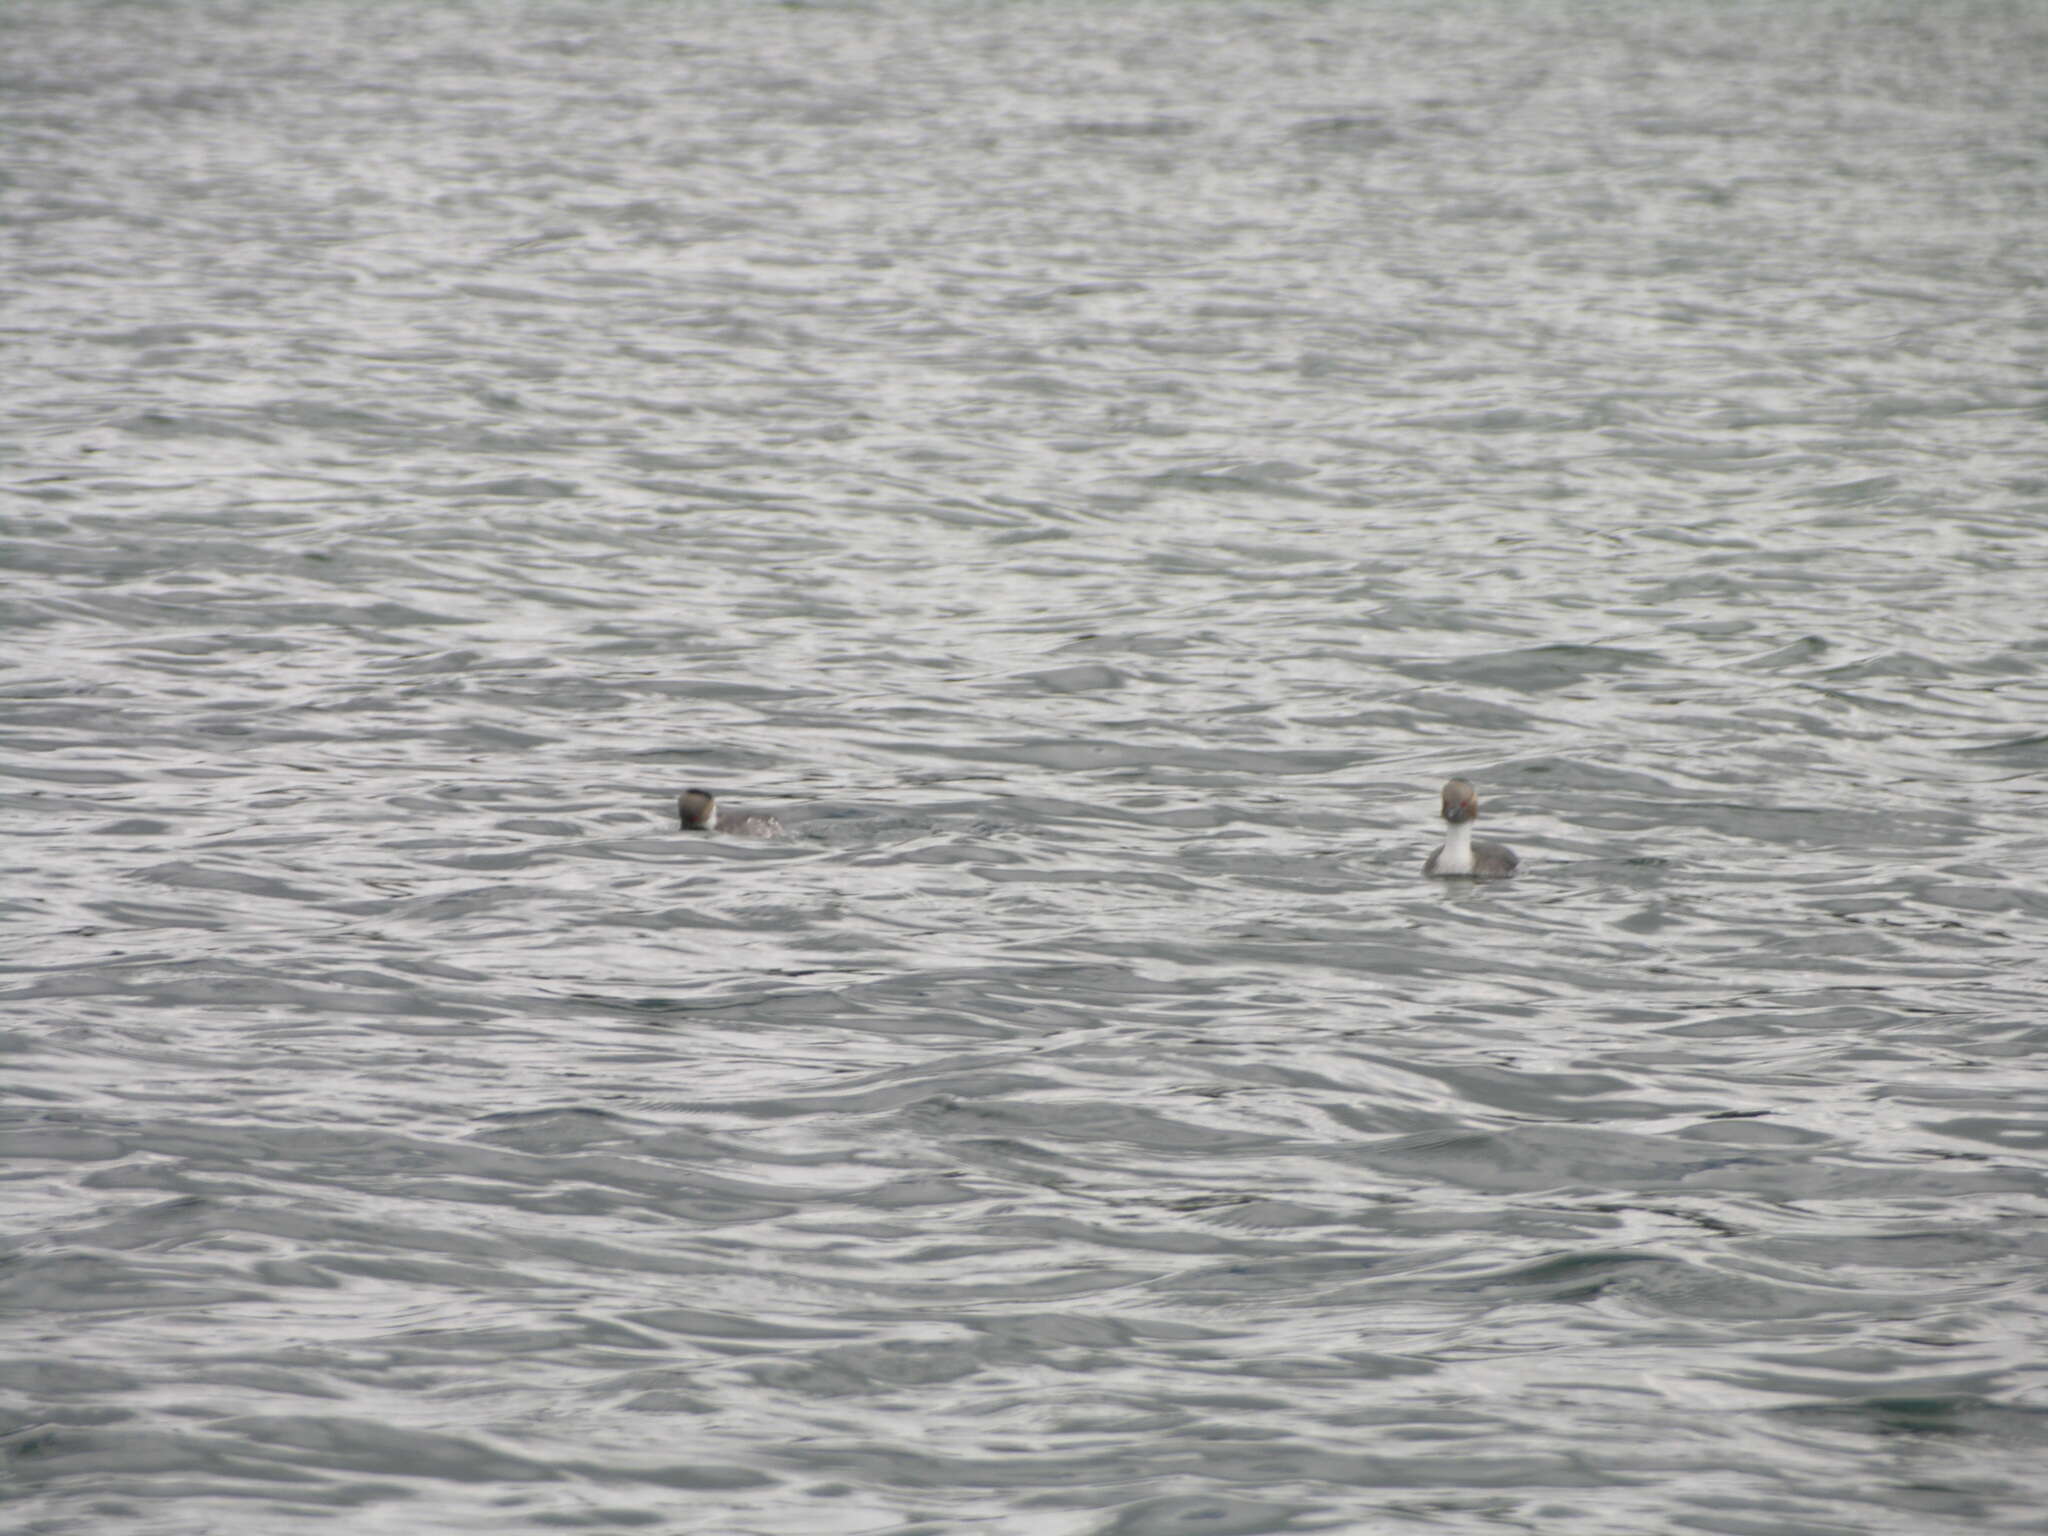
(1459, 854)
(699, 811)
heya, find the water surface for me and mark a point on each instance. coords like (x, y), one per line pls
(1093, 471)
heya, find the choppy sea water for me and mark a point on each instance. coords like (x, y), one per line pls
(1093, 471)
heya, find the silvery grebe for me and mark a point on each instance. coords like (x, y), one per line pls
(1459, 854)
(699, 811)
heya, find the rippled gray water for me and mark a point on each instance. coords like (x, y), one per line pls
(1093, 470)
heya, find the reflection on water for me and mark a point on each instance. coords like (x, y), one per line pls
(1092, 473)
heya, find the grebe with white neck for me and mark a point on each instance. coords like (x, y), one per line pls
(1459, 854)
(698, 810)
